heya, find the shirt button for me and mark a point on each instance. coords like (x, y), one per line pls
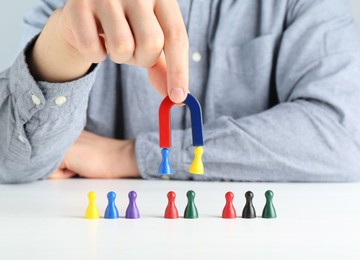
(60, 100)
(35, 100)
(196, 57)
(22, 139)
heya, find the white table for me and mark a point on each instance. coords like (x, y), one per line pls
(45, 220)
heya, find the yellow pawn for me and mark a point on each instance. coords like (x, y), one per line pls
(92, 211)
(197, 166)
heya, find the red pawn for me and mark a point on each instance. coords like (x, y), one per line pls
(229, 210)
(171, 210)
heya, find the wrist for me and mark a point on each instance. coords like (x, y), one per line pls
(124, 159)
(52, 59)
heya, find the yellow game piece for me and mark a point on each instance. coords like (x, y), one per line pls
(197, 166)
(92, 212)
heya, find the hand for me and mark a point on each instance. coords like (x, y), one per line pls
(94, 156)
(147, 33)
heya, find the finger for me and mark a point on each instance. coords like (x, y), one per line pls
(149, 38)
(85, 30)
(157, 76)
(62, 174)
(119, 40)
(176, 48)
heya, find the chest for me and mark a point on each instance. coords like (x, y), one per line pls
(233, 48)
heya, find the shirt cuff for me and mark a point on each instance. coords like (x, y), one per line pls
(48, 101)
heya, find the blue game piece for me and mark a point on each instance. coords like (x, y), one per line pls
(165, 167)
(196, 120)
(132, 211)
(111, 210)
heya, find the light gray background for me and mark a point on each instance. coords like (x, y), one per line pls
(11, 27)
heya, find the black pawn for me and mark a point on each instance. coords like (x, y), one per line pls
(249, 210)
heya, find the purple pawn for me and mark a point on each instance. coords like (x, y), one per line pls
(132, 210)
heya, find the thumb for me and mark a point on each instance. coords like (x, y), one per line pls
(62, 173)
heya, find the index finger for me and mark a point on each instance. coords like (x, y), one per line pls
(176, 48)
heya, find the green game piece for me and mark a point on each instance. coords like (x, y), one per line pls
(191, 210)
(269, 209)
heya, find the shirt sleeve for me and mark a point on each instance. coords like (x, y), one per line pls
(313, 134)
(39, 121)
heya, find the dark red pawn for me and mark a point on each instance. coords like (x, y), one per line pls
(229, 210)
(171, 210)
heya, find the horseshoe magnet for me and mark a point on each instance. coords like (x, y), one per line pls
(197, 166)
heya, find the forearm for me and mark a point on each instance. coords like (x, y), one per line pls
(38, 121)
(295, 141)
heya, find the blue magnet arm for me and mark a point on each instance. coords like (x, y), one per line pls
(196, 120)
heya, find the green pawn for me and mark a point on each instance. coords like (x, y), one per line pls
(269, 209)
(191, 210)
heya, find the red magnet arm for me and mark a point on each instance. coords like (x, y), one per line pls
(164, 122)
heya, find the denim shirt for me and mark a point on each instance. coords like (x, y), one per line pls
(278, 81)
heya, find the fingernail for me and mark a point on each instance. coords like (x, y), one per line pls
(177, 95)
